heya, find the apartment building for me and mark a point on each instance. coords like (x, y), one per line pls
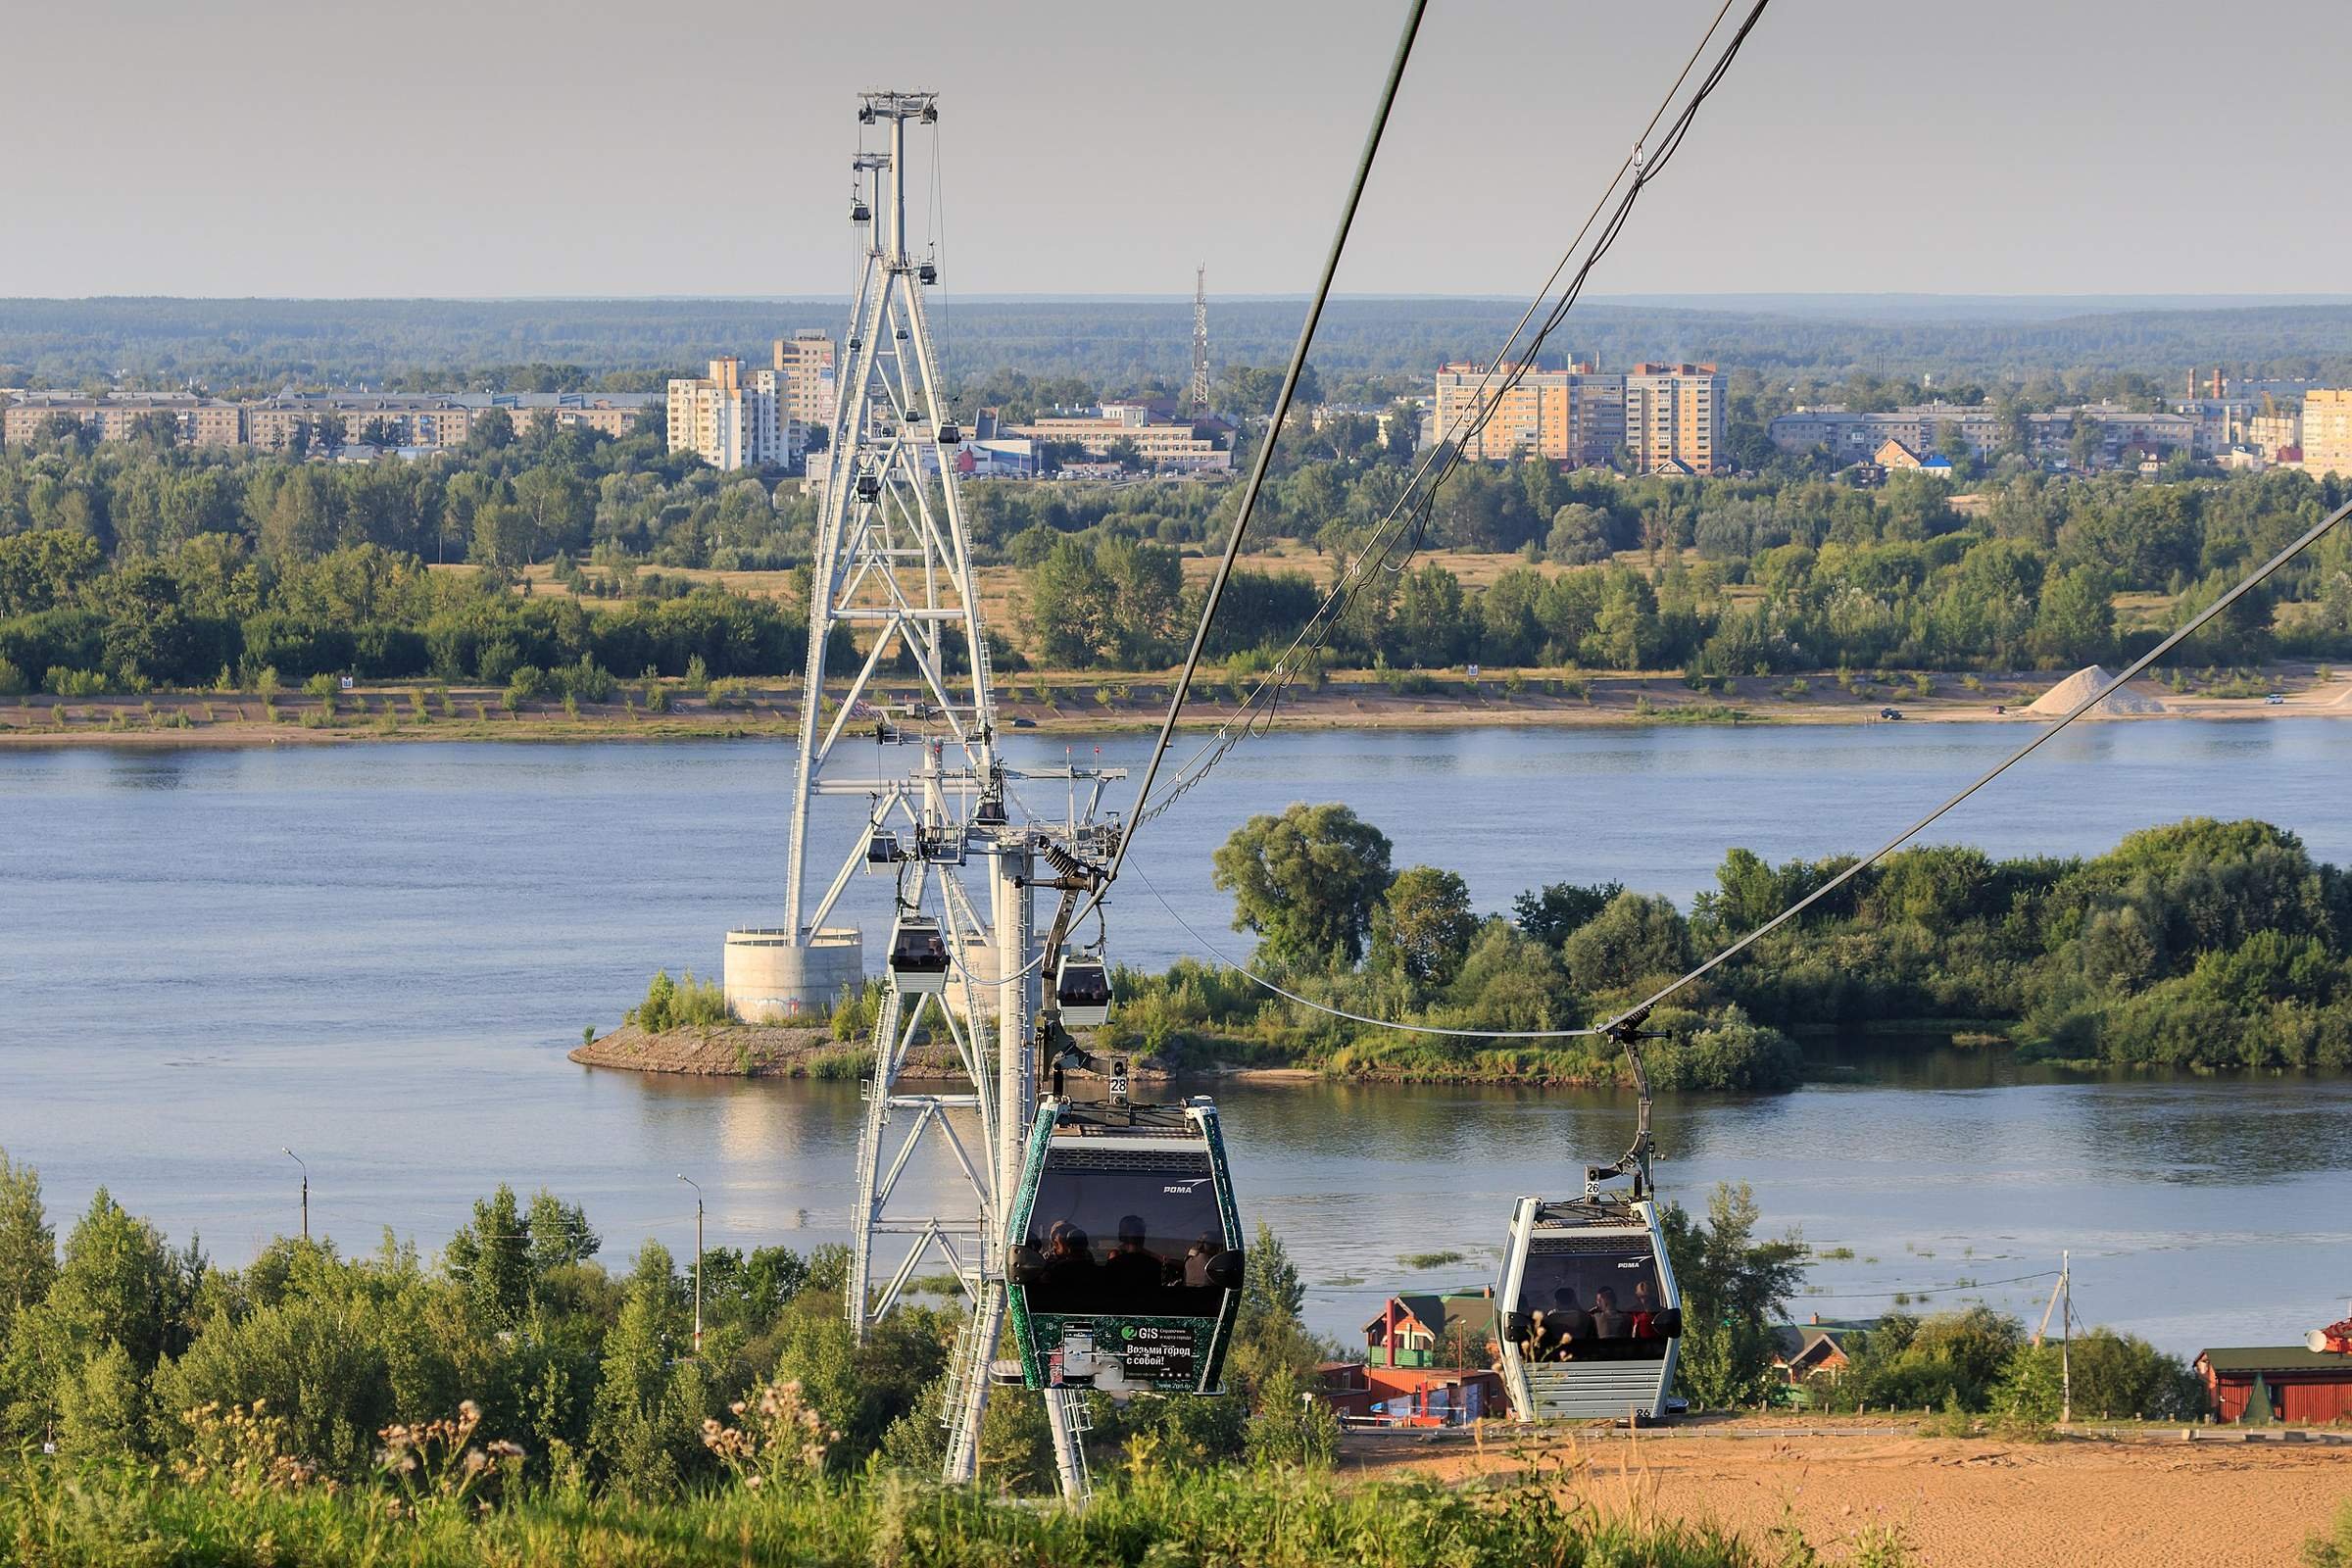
(195, 421)
(1674, 418)
(1851, 437)
(1574, 416)
(2326, 437)
(2272, 436)
(1163, 443)
(734, 420)
(2122, 434)
(805, 374)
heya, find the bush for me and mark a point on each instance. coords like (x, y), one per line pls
(12, 680)
(681, 1004)
(74, 682)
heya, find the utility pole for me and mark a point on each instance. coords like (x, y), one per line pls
(2065, 1335)
(1201, 341)
(698, 1260)
(306, 1189)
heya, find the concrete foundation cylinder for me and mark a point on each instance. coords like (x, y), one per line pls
(770, 979)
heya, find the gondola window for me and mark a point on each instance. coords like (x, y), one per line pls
(1591, 1305)
(1126, 1234)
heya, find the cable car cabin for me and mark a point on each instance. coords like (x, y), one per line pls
(1082, 991)
(869, 487)
(1128, 1276)
(882, 848)
(860, 214)
(1592, 1317)
(927, 273)
(949, 433)
(919, 956)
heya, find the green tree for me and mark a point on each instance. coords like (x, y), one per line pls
(1732, 1287)
(1552, 913)
(1305, 882)
(1636, 938)
(1423, 924)
(28, 1244)
(491, 1257)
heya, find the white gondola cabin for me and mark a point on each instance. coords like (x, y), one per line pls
(1128, 1276)
(919, 956)
(1082, 991)
(1590, 1317)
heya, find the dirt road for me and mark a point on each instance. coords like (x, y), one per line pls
(1956, 1504)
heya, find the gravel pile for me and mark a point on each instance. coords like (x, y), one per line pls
(2061, 699)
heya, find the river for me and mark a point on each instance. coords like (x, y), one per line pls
(377, 954)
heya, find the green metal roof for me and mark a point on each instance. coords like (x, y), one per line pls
(2275, 1359)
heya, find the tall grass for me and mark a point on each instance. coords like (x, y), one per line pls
(1266, 1516)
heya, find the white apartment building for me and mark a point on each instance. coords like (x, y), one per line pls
(805, 369)
(732, 420)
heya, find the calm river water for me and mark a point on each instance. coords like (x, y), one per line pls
(379, 954)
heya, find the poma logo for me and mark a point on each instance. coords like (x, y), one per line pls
(1184, 1189)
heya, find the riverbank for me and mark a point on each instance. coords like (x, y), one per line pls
(1094, 704)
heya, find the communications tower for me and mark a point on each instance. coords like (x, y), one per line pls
(891, 600)
(1200, 406)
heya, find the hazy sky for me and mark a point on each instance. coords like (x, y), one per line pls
(491, 147)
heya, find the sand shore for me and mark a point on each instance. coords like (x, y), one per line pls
(1066, 705)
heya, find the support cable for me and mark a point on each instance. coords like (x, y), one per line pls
(1632, 1017)
(1415, 503)
(1265, 452)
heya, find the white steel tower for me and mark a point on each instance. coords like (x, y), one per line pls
(1200, 406)
(892, 572)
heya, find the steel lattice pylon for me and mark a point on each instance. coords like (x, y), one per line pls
(893, 567)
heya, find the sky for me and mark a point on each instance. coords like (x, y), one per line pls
(498, 148)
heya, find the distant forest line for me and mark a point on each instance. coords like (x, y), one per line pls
(632, 343)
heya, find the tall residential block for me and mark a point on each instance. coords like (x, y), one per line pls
(1573, 415)
(733, 420)
(1674, 418)
(2328, 431)
(804, 375)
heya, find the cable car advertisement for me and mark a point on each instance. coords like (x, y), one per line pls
(1127, 1277)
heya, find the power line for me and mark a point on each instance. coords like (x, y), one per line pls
(1446, 455)
(1265, 452)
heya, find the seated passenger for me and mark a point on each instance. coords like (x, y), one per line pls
(1568, 1327)
(1196, 1261)
(1068, 1280)
(1608, 1321)
(1133, 1275)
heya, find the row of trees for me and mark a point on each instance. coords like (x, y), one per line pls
(212, 611)
(2202, 943)
(123, 1346)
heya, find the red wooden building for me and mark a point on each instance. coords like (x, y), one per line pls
(2298, 1382)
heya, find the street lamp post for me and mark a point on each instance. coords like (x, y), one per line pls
(698, 1260)
(306, 1189)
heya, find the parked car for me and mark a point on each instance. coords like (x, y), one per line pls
(2275, 699)
(1890, 712)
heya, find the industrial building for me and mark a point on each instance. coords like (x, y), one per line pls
(1163, 442)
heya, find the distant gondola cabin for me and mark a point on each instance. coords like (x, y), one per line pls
(2297, 1384)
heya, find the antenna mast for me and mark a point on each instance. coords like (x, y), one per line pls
(1200, 400)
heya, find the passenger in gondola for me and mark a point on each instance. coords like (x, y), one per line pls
(1068, 1276)
(1643, 1318)
(1611, 1326)
(1567, 1327)
(1196, 1261)
(1133, 1275)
